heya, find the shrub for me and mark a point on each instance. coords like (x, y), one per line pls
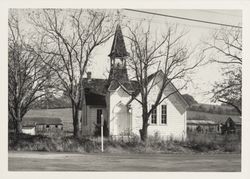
(98, 129)
(212, 141)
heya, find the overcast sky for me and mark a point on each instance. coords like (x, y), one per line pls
(205, 76)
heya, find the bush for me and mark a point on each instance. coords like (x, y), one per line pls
(98, 130)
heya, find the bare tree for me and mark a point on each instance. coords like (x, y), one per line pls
(151, 56)
(228, 91)
(70, 38)
(226, 43)
(27, 75)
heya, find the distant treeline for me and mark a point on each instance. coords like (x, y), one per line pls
(214, 109)
(52, 103)
(208, 108)
(63, 102)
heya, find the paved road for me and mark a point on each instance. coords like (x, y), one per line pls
(44, 161)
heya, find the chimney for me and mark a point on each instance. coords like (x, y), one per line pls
(89, 76)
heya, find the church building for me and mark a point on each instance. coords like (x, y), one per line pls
(122, 114)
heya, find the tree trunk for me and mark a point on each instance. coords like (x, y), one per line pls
(76, 125)
(18, 126)
(84, 112)
(144, 130)
(18, 121)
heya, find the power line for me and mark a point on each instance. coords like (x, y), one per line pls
(179, 23)
(215, 12)
(183, 18)
(153, 20)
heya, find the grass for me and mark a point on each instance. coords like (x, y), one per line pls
(213, 142)
(194, 144)
(45, 161)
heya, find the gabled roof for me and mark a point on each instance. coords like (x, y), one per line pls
(176, 99)
(236, 119)
(136, 86)
(114, 85)
(216, 118)
(201, 122)
(95, 91)
(99, 87)
(96, 85)
(118, 47)
(95, 99)
(32, 121)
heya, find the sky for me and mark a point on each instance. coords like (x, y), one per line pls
(204, 76)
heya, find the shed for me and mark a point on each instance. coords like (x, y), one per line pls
(202, 126)
(41, 125)
(230, 126)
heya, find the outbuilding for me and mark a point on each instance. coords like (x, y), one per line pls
(41, 125)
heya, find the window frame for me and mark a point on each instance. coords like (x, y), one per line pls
(166, 120)
(153, 114)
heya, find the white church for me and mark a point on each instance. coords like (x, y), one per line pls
(121, 113)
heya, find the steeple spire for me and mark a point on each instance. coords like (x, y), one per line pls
(118, 49)
(118, 74)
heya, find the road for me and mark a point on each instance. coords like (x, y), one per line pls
(44, 161)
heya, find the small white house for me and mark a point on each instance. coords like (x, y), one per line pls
(122, 114)
(31, 130)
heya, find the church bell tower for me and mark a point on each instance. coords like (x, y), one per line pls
(118, 55)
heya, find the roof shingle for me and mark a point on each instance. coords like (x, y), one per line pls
(118, 48)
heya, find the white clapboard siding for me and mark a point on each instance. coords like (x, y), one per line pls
(89, 129)
(176, 120)
(119, 117)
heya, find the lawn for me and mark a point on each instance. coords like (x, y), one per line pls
(44, 161)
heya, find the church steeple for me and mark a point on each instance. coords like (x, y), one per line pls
(118, 49)
(118, 54)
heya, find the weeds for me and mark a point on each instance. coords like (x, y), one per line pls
(131, 144)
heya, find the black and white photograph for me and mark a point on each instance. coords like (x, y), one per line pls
(124, 89)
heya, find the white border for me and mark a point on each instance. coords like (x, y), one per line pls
(160, 4)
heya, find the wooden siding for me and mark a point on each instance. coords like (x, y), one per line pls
(176, 119)
(29, 130)
(119, 117)
(89, 129)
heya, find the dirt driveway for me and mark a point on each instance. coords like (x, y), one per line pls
(44, 161)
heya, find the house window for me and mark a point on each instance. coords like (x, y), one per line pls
(99, 115)
(47, 126)
(154, 116)
(164, 114)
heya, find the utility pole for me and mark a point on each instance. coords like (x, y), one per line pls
(102, 122)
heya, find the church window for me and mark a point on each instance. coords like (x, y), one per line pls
(164, 114)
(154, 116)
